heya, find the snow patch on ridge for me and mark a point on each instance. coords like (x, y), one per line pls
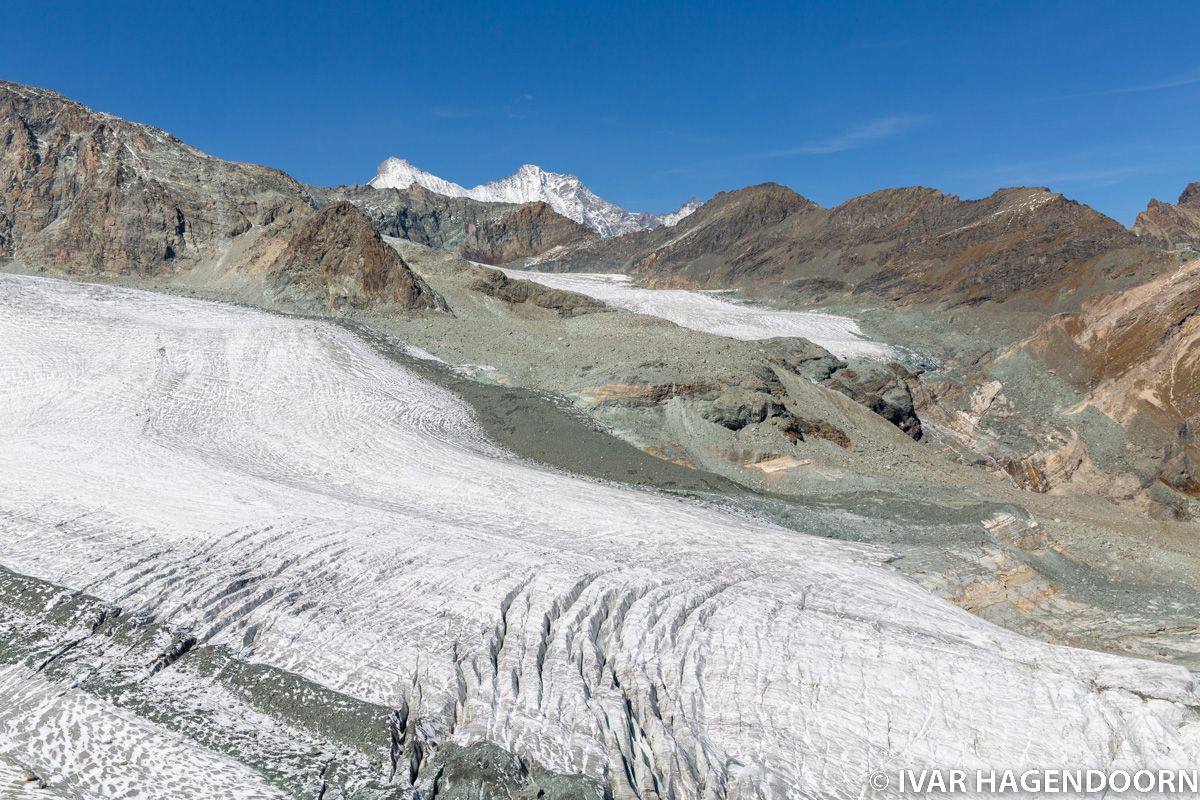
(685, 210)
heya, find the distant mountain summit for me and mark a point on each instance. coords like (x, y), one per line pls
(684, 210)
(1176, 226)
(566, 194)
(397, 173)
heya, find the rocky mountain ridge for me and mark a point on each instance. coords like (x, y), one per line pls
(1176, 226)
(492, 233)
(899, 245)
(84, 188)
(566, 194)
(87, 193)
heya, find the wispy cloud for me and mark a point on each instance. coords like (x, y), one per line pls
(456, 112)
(1084, 177)
(519, 108)
(858, 136)
(688, 169)
(853, 138)
(1092, 169)
(1189, 78)
(884, 44)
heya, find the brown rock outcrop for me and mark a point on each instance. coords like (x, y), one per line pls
(1173, 226)
(87, 192)
(1105, 399)
(338, 256)
(494, 283)
(1136, 353)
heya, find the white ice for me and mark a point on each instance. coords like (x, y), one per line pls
(221, 468)
(703, 311)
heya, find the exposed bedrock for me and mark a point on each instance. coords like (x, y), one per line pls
(1104, 399)
(1173, 226)
(88, 192)
(882, 386)
(493, 233)
(494, 283)
(339, 257)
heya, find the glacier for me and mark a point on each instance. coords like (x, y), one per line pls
(564, 193)
(277, 486)
(92, 749)
(710, 313)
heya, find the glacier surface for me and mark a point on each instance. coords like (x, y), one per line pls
(705, 311)
(277, 486)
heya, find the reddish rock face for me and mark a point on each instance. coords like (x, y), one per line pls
(338, 256)
(1191, 195)
(1135, 356)
(1136, 352)
(86, 192)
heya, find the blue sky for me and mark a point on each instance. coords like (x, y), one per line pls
(653, 103)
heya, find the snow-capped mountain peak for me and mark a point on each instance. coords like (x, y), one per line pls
(398, 173)
(564, 193)
(684, 210)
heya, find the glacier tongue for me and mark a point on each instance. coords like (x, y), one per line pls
(230, 471)
(566, 194)
(703, 311)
